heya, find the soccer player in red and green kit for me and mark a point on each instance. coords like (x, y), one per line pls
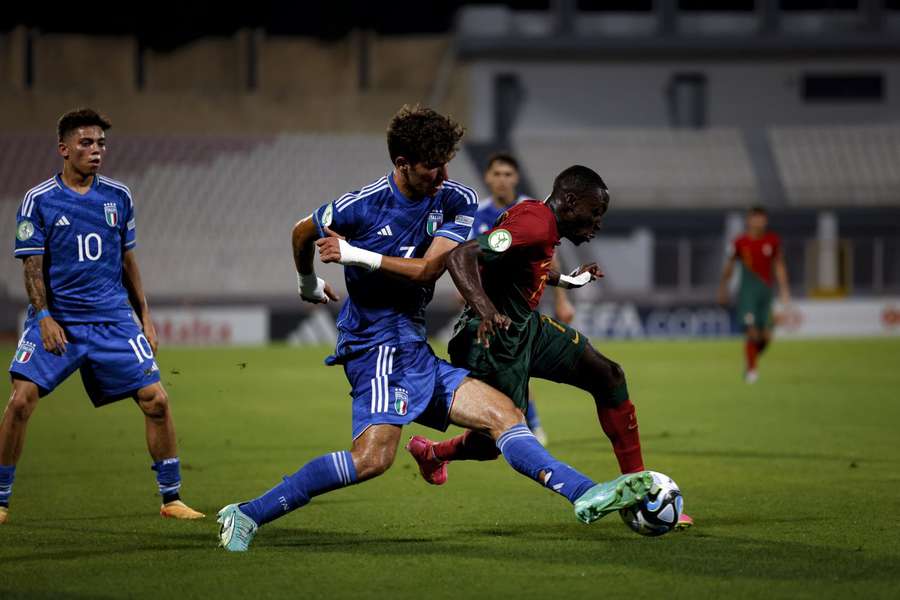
(503, 340)
(762, 263)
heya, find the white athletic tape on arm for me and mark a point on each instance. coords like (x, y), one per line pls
(310, 286)
(357, 257)
(568, 281)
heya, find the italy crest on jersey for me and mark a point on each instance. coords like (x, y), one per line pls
(435, 219)
(111, 213)
(401, 401)
(24, 353)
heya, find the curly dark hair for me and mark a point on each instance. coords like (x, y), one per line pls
(80, 117)
(422, 135)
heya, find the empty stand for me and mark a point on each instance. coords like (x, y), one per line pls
(214, 213)
(648, 168)
(838, 165)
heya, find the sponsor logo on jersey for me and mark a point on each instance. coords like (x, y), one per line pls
(500, 240)
(62, 222)
(25, 230)
(111, 212)
(24, 353)
(386, 230)
(328, 215)
(401, 401)
(464, 220)
(435, 219)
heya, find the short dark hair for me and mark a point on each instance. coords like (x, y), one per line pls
(579, 180)
(80, 117)
(502, 157)
(423, 135)
(758, 210)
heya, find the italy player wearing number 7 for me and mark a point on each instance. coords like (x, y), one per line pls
(75, 235)
(408, 221)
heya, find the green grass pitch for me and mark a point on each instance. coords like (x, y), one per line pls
(794, 484)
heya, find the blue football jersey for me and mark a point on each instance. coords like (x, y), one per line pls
(487, 214)
(83, 239)
(381, 309)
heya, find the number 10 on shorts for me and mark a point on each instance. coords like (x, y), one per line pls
(141, 347)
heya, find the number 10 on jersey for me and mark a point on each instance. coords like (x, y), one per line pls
(90, 246)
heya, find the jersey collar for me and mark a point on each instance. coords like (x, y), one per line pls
(62, 185)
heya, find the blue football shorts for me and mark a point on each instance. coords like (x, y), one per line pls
(401, 384)
(115, 360)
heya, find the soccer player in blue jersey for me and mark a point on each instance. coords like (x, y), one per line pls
(75, 235)
(414, 212)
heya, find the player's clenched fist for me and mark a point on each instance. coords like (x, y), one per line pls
(330, 247)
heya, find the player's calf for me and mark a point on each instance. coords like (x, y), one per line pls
(605, 380)
(22, 402)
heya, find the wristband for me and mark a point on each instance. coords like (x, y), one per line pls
(42, 314)
(568, 281)
(357, 257)
(310, 286)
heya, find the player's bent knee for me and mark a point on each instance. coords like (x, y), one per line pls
(154, 402)
(22, 402)
(609, 386)
(372, 464)
(616, 374)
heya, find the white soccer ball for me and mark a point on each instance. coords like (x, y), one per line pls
(658, 513)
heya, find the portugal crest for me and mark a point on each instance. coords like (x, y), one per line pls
(111, 213)
(435, 219)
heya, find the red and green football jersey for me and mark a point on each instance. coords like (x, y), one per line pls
(757, 256)
(517, 255)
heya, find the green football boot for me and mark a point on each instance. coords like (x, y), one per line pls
(612, 496)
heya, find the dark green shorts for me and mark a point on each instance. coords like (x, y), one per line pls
(754, 306)
(540, 347)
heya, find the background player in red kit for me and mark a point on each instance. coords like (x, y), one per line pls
(762, 262)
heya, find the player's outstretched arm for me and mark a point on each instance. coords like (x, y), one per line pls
(131, 278)
(726, 277)
(426, 270)
(463, 266)
(580, 277)
(311, 288)
(52, 335)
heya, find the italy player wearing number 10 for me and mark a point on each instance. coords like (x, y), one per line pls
(75, 234)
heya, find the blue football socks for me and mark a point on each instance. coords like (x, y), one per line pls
(168, 478)
(318, 476)
(526, 455)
